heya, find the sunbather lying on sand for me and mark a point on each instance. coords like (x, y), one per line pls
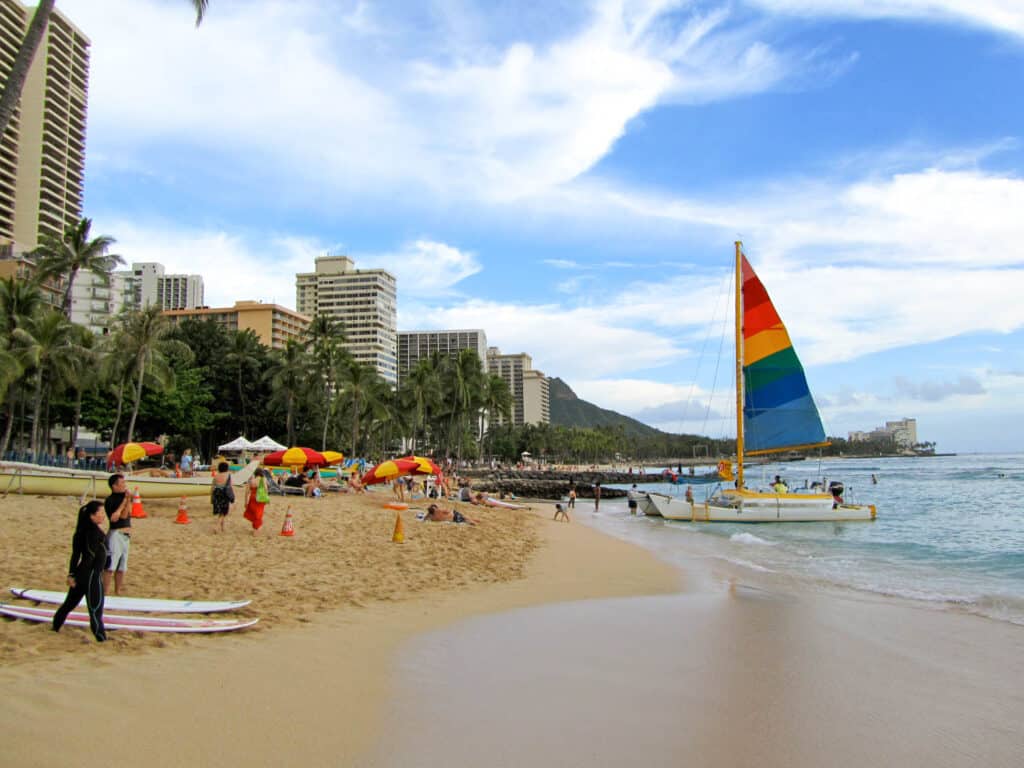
(437, 514)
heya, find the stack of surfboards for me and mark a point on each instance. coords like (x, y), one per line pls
(134, 614)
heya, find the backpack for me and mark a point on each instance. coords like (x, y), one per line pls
(261, 491)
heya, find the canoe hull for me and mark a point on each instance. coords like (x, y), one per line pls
(766, 508)
(45, 481)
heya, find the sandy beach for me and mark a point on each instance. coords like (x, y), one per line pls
(470, 646)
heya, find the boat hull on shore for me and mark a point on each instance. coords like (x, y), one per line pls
(753, 507)
(17, 477)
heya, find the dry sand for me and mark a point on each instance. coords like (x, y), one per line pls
(308, 684)
(718, 667)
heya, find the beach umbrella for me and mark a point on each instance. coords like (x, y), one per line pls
(408, 465)
(295, 457)
(126, 453)
(333, 457)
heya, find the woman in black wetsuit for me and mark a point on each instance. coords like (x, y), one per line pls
(88, 558)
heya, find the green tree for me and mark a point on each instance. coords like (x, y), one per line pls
(63, 257)
(146, 333)
(288, 374)
(55, 364)
(325, 337)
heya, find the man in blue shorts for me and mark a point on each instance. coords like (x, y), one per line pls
(118, 508)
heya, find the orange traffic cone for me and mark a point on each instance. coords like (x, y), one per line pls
(288, 529)
(182, 518)
(137, 510)
(399, 534)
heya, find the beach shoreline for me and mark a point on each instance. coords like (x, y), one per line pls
(720, 666)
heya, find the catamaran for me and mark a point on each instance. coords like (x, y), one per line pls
(775, 413)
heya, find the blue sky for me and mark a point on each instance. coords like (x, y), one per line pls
(570, 177)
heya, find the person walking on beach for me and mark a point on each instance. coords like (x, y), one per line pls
(85, 571)
(222, 495)
(631, 499)
(256, 498)
(118, 508)
(572, 497)
(597, 495)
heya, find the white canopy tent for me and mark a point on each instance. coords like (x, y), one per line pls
(238, 444)
(266, 443)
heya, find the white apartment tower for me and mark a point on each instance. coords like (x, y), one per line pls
(42, 152)
(414, 346)
(365, 301)
(531, 401)
(146, 285)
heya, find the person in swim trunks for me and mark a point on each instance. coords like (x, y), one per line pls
(119, 539)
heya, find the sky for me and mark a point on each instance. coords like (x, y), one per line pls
(571, 177)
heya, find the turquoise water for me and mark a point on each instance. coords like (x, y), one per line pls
(950, 530)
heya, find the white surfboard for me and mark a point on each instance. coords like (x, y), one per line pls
(138, 604)
(78, 618)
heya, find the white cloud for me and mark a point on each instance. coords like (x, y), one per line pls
(424, 268)
(1003, 15)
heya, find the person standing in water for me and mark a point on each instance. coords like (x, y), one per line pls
(597, 495)
(85, 571)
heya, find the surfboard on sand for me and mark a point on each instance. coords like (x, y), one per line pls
(138, 604)
(78, 618)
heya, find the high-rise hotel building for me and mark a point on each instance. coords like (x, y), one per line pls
(414, 346)
(42, 152)
(365, 301)
(531, 400)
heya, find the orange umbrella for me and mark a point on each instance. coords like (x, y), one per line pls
(408, 465)
(126, 453)
(294, 457)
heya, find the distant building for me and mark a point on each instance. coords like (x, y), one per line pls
(272, 323)
(146, 285)
(21, 266)
(903, 433)
(414, 346)
(531, 401)
(363, 300)
(94, 302)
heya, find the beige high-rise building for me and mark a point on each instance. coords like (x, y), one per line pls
(364, 300)
(531, 400)
(42, 152)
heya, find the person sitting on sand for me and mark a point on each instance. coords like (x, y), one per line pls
(560, 512)
(479, 499)
(355, 483)
(436, 514)
(313, 483)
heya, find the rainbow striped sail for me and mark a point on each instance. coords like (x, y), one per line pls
(778, 410)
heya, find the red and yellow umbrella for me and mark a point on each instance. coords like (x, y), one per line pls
(126, 453)
(333, 457)
(407, 465)
(295, 457)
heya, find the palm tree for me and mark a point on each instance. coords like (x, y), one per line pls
(356, 380)
(147, 333)
(287, 374)
(55, 337)
(495, 402)
(19, 302)
(326, 337)
(465, 386)
(63, 257)
(86, 354)
(26, 53)
(421, 391)
(241, 357)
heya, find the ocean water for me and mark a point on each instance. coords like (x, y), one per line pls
(950, 531)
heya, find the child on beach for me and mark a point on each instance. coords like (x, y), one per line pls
(561, 513)
(85, 573)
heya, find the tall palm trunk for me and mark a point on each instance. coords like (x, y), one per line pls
(9, 427)
(66, 306)
(78, 417)
(355, 425)
(22, 62)
(36, 408)
(120, 408)
(290, 420)
(138, 398)
(327, 421)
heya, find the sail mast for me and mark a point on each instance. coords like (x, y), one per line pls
(739, 365)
